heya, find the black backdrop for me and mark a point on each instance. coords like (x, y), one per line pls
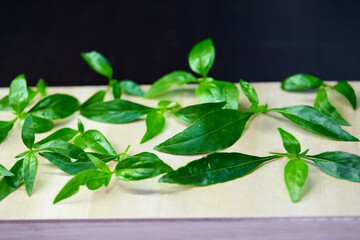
(254, 40)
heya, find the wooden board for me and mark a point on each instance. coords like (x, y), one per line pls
(260, 194)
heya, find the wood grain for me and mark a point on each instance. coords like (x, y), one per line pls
(258, 195)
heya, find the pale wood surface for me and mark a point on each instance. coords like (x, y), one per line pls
(260, 194)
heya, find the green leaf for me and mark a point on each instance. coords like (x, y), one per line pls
(338, 164)
(295, 174)
(218, 91)
(217, 130)
(141, 166)
(98, 63)
(4, 104)
(41, 87)
(91, 178)
(155, 123)
(42, 125)
(345, 89)
(116, 89)
(4, 172)
(97, 97)
(65, 164)
(65, 134)
(80, 125)
(27, 133)
(29, 171)
(18, 96)
(5, 128)
(249, 92)
(192, 113)
(99, 163)
(131, 88)
(176, 78)
(291, 144)
(309, 118)
(301, 81)
(10, 184)
(62, 147)
(96, 141)
(164, 103)
(78, 141)
(57, 106)
(116, 111)
(201, 57)
(215, 168)
(324, 106)
(31, 94)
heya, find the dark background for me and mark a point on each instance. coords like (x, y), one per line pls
(254, 40)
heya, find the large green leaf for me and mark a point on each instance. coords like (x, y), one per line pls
(176, 78)
(192, 113)
(324, 106)
(141, 166)
(98, 63)
(291, 144)
(65, 134)
(215, 168)
(217, 130)
(57, 106)
(29, 171)
(42, 125)
(18, 96)
(91, 178)
(313, 120)
(27, 132)
(295, 174)
(338, 164)
(116, 111)
(218, 91)
(301, 81)
(10, 184)
(201, 57)
(155, 123)
(345, 89)
(62, 147)
(5, 128)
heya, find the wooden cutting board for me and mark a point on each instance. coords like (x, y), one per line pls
(261, 194)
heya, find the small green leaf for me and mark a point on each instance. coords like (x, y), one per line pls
(131, 88)
(31, 95)
(5, 128)
(141, 166)
(176, 78)
(324, 106)
(201, 57)
(192, 113)
(10, 184)
(65, 164)
(301, 81)
(18, 96)
(27, 133)
(155, 123)
(345, 89)
(215, 168)
(309, 118)
(42, 125)
(4, 172)
(217, 130)
(295, 174)
(62, 147)
(99, 163)
(91, 178)
(41, 87)
(116, 111)
(97, 97)
(80, 125)
(98, 63)
(4, 104)
(65, 134)
(218, 91)
(291, 144)
(116, 89)
(57, 106)
(164, 103)
(29, 171)
(249, 92)
(338, 164)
